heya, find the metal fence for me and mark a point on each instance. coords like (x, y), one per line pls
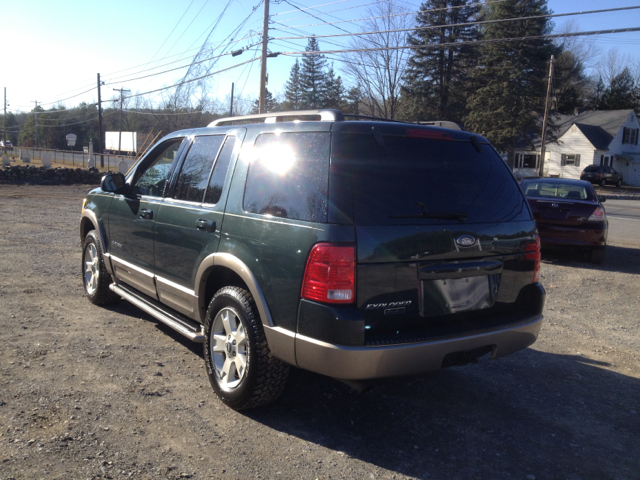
(69, 158)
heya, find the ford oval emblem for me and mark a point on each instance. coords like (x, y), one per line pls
(466, 241)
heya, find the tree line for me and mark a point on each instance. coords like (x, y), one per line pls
(455, 67)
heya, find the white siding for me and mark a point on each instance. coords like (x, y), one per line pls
(572, 142)
(630, 169)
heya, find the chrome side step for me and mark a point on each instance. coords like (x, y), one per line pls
(187, 327)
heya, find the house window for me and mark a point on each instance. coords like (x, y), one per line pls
(572, 159)
(630, 136)
(526, 160)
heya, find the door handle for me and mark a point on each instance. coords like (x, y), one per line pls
(148, 214)
(206, 225)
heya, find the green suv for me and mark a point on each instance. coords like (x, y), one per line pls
(350, 246)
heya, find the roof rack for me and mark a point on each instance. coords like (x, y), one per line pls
(368, 117)
(324, 115)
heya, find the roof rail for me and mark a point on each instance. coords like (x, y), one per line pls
(369, 117)
(324, 115)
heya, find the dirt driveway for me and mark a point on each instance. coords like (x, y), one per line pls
(89, 392)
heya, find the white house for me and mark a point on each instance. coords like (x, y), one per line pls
(601, 137)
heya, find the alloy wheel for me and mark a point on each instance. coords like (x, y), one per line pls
(229, 348)
(91, 268)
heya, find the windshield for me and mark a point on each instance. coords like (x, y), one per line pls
(418, 181)
(556, 190)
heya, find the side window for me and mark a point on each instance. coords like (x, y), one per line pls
(289, 176)
(214, 191)
(613, 170)
(153, 179)
(194, 174)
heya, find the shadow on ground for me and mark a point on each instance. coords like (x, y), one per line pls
(534, 413)
(618, 259)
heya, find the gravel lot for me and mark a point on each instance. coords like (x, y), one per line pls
(90, 392)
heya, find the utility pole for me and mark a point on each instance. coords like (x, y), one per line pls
(263, 63)
(100, 139)
(231, 109)
(35, 114)
(4, 121)
(544, 120)
(121, 90)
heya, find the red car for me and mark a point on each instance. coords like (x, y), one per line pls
(568, 213)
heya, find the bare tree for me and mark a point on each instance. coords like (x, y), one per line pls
(379, 73)
(612, 64)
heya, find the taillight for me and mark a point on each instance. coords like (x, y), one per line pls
(330, 275)
(598, 175)
(535, 255)
(597, 215)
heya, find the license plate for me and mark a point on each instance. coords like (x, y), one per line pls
(454, 295)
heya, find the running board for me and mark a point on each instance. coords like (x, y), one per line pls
(187, 327)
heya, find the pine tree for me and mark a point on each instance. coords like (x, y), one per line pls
(511, 76)
(352, 101)
(313, 77)
(293, 90)
(622, 94)
(333, 91)
(271, 104)
(437, 77)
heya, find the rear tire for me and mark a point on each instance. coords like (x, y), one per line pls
(596, 255)
(603, 183)
(241, 369)
(95, 278)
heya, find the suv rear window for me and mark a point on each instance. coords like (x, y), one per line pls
(289, 176)
(591, 169)
(409, 177)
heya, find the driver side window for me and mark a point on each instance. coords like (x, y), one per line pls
(154, 177)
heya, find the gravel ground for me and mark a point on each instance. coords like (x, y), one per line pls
(90, 392)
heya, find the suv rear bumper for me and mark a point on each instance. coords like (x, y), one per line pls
(362, 363)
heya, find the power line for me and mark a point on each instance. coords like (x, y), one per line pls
(307, 8)
(475, 42)
(481, 22)
(193, 79)
(394, 14)
(181, 67)
(124, 79)
(314, 16)
(170, 33)
(333, 11)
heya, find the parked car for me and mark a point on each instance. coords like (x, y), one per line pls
(601, 175)
(6, 145)
(568, 213)
(355, 249)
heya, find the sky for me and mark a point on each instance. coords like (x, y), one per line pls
(53, 50)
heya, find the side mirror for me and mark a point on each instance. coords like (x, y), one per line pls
(113, 182)
(602, 198)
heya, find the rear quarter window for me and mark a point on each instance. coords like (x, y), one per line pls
(408, 176)
(289, 176)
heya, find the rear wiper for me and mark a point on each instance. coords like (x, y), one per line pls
(461, 217)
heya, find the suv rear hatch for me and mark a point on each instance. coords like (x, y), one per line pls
(443, 231)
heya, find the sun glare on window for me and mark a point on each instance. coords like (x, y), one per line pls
(278, 158)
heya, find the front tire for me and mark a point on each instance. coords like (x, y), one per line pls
(95, 278)
(619, 183)
(241, 369)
